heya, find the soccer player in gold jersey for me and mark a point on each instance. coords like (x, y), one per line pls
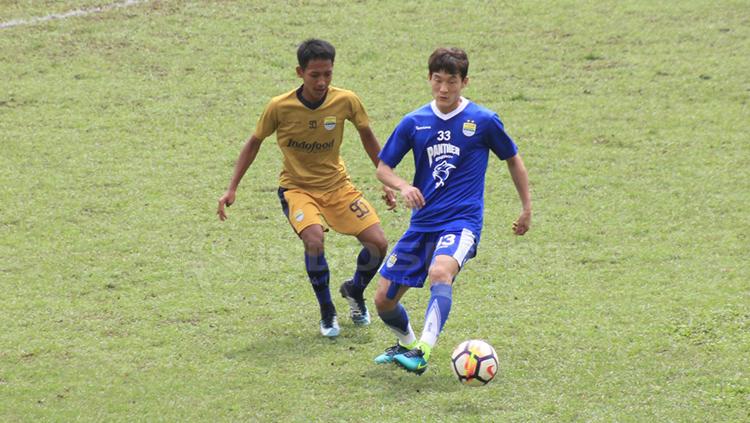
(309, 126)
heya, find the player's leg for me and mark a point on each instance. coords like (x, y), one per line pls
(452, 251)
(441, 273)
(319, 274)
(303, 212)
(394, 315)
(405, 267)
(374, 248)
(348, 212)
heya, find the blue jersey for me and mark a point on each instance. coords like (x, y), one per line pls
(450, 161)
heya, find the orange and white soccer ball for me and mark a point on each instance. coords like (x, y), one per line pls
(474, 362)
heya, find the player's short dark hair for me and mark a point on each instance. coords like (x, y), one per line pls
(314, 48)
(451, 60)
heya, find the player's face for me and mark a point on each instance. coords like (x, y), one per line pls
(316, 78)
(446, 90)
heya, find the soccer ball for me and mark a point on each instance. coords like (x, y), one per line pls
(474, 362)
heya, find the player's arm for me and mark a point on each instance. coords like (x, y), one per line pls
(370, 143)
(246, 158)
(411, 194)
(372, 147)
(521, 180)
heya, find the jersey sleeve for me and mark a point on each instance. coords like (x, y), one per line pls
(499, 141)
(267, 122)
(359, 116)
(398, 144)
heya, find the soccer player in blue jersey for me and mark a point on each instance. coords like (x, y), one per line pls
(450, 138)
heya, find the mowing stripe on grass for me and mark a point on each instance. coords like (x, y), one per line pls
(69, 14)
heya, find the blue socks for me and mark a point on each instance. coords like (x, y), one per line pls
(438, 309)
(317, 271)
(398, 322)
(366, 270)
(397, 319)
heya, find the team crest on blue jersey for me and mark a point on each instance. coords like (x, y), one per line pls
(329, 122)
(441, 173)
(469, 128)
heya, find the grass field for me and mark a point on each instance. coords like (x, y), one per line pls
(123, 298)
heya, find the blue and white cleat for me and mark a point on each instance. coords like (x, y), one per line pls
(329, 326)
(357, 306)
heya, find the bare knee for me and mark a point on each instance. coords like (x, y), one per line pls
(373, 238)
(312, 238)
(381, 247)
(443, 270)
(440, 274)
(381, 244)
(382, 302)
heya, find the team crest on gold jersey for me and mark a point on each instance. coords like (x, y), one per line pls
(469, 128)
(329, 122)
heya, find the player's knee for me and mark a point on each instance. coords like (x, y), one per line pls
(312, 238)
(313, 243)
(439, 274)
(381, 247)
(382, 302)
(375, 241)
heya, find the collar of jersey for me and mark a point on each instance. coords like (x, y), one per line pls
(307, 104)
(443, 116)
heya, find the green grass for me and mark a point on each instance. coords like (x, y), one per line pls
(125, 299)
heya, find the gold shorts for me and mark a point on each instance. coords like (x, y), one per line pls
(343, 209)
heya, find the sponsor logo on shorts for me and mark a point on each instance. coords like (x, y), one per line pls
(299, 215)
(391, 260)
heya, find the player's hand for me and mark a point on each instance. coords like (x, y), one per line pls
(522, 224)
(389, 197)
(412, 197)
(226, 199)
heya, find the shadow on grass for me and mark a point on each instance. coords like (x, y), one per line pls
(400, 382)
(292, 345)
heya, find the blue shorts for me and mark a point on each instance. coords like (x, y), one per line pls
(410, 260)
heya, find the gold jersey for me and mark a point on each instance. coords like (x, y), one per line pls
(310, 139)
